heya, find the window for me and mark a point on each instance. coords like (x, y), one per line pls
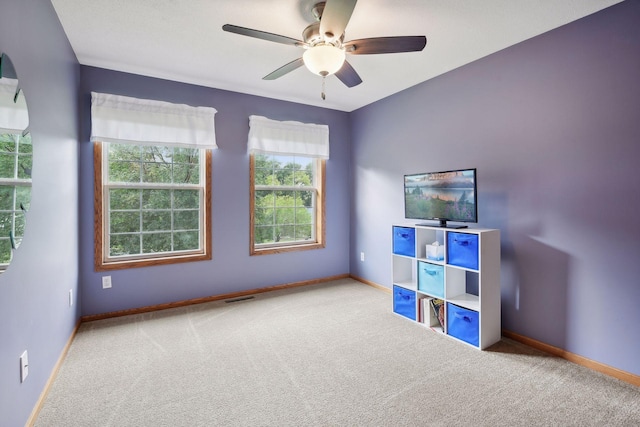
(287, 176)
(155, 204)
(15, 191)
(287, 202)
(152, 163)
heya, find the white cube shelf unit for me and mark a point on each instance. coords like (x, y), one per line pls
(461, 271)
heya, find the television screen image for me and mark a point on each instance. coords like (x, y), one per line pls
(441, 196)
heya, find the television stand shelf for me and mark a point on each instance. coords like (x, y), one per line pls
(449, 280)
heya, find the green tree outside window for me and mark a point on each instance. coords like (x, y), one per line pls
(284, 206)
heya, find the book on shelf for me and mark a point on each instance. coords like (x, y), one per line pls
(423, 311)
(438, 309)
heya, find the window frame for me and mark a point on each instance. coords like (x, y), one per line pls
(320, 221)
(101, 260)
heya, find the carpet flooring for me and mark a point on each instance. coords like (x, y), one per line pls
(331, 354)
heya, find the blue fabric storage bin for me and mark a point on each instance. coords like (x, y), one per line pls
(404, 241)
(463, 324)
(431, 279)
(404, 302)
(462, 250)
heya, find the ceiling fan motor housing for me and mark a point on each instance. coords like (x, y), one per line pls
(311, 35)
(317, 10)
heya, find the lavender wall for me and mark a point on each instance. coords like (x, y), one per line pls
(552, 126)
(34, 304)
(231, 269)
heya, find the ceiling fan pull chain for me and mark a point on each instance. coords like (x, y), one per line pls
(322, 95)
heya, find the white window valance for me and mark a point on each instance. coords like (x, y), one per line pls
(123, 119)
(14, 117)
(291, 138)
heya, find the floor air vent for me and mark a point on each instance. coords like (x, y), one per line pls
(238, 299)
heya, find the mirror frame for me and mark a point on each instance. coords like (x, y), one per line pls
(16, 162)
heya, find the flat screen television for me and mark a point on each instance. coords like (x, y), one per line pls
(442, 196)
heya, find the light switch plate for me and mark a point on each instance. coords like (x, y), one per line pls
(106, 282)
(24, 366)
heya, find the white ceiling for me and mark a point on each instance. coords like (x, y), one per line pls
(182, 40)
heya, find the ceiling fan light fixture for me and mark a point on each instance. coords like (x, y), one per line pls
(324, 59)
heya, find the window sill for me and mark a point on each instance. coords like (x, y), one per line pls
(281, 249)
(121, 265)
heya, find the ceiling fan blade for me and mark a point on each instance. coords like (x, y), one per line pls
(284, 69)
(386, 45)
(262, 35)
(348, 75)
(335, 17)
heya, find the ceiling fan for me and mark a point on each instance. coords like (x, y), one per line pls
(325, 48)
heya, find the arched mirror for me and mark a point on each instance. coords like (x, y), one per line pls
(16, 156)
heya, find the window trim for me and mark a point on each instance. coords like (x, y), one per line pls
(320, 222)
(101, 264)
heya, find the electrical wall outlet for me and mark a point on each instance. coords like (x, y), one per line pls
(362, 256)
(106, 282)
(70, 297)
(24, 366)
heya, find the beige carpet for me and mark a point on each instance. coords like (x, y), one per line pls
(324, 355)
